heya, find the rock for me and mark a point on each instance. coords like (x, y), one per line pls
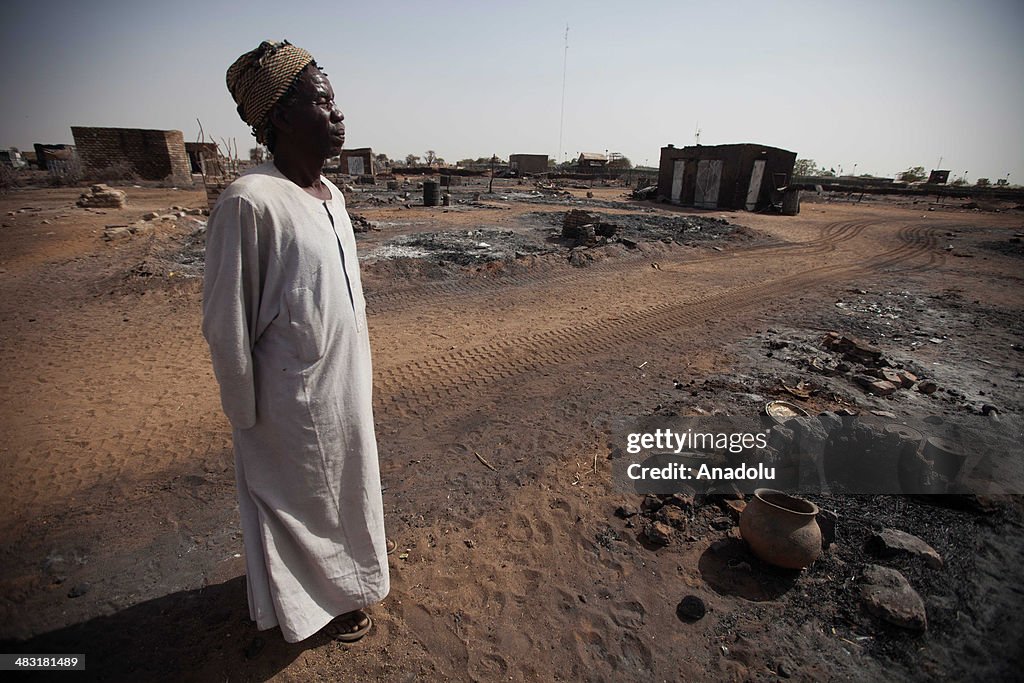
(722, 523)
(691, 608)
(907, 379)
(651, 503)
(625, 511)
(988, 409)
(927, 387)
(149, 216)
(681, 500)
(855, 349)
(882, 388)
(659, 533)
(878, 387)
(891, 376)
(889, 596)
(673, 516)
(116, 232)
(79, 590)
(893, 543)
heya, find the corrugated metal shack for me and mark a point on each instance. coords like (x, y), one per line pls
(741, 176)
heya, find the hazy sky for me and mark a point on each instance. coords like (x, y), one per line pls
(884, 85)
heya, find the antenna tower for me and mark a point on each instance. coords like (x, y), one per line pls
(561, 121)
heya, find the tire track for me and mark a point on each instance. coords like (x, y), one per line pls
(418, 384)
(408, 297)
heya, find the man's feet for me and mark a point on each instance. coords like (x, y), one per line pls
(350, 627)
(390, 545)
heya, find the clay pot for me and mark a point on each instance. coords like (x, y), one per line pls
(781, 529)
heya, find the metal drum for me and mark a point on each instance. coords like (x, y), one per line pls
(431, 193)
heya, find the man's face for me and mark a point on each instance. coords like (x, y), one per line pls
(315, 121)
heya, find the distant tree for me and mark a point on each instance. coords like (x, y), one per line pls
(912, 174)
(382, 159)
(411, 160)
(621, 162)
(258, 154)
(439, 161)
(959, 182)
(464, 162)
(806, 167)
(430, 157)
(982, 182)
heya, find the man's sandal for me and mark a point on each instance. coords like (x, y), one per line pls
(390, 545)
(350, 627)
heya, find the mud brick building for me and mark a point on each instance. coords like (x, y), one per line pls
(528, 163)
(357, 161)
(742, 176)
(153, 154)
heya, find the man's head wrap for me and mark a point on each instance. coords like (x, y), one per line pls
(259, 78)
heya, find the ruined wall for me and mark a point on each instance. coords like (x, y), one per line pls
(737, 167)
(357, 161)
(529, 163)
(153, 154)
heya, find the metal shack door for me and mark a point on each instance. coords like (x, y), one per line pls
(677, 180)
(356, 166)
(755, 184)
(709, 177)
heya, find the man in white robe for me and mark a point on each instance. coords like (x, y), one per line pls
(285, 319)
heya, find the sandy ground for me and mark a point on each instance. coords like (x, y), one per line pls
(121, 538)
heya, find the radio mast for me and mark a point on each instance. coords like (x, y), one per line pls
(561, 121)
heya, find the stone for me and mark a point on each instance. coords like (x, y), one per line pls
(79, 590)
(891, 376)
(673, 516)
(116, 232)
(856, 350)
(888, 595)
(878, 387)
(894, 543)
(691, 608)
(907, 379)
(722, 523)
(659, 533)
(651, 503)
(927, 387)
(682, 500)
(625, 511)
(149, 216)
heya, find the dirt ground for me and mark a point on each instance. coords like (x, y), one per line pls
(497, 371)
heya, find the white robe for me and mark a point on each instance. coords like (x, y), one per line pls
(285, 318)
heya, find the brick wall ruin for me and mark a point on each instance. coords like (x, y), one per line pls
(153, 154)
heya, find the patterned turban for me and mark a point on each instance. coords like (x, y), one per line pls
(259, 78)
